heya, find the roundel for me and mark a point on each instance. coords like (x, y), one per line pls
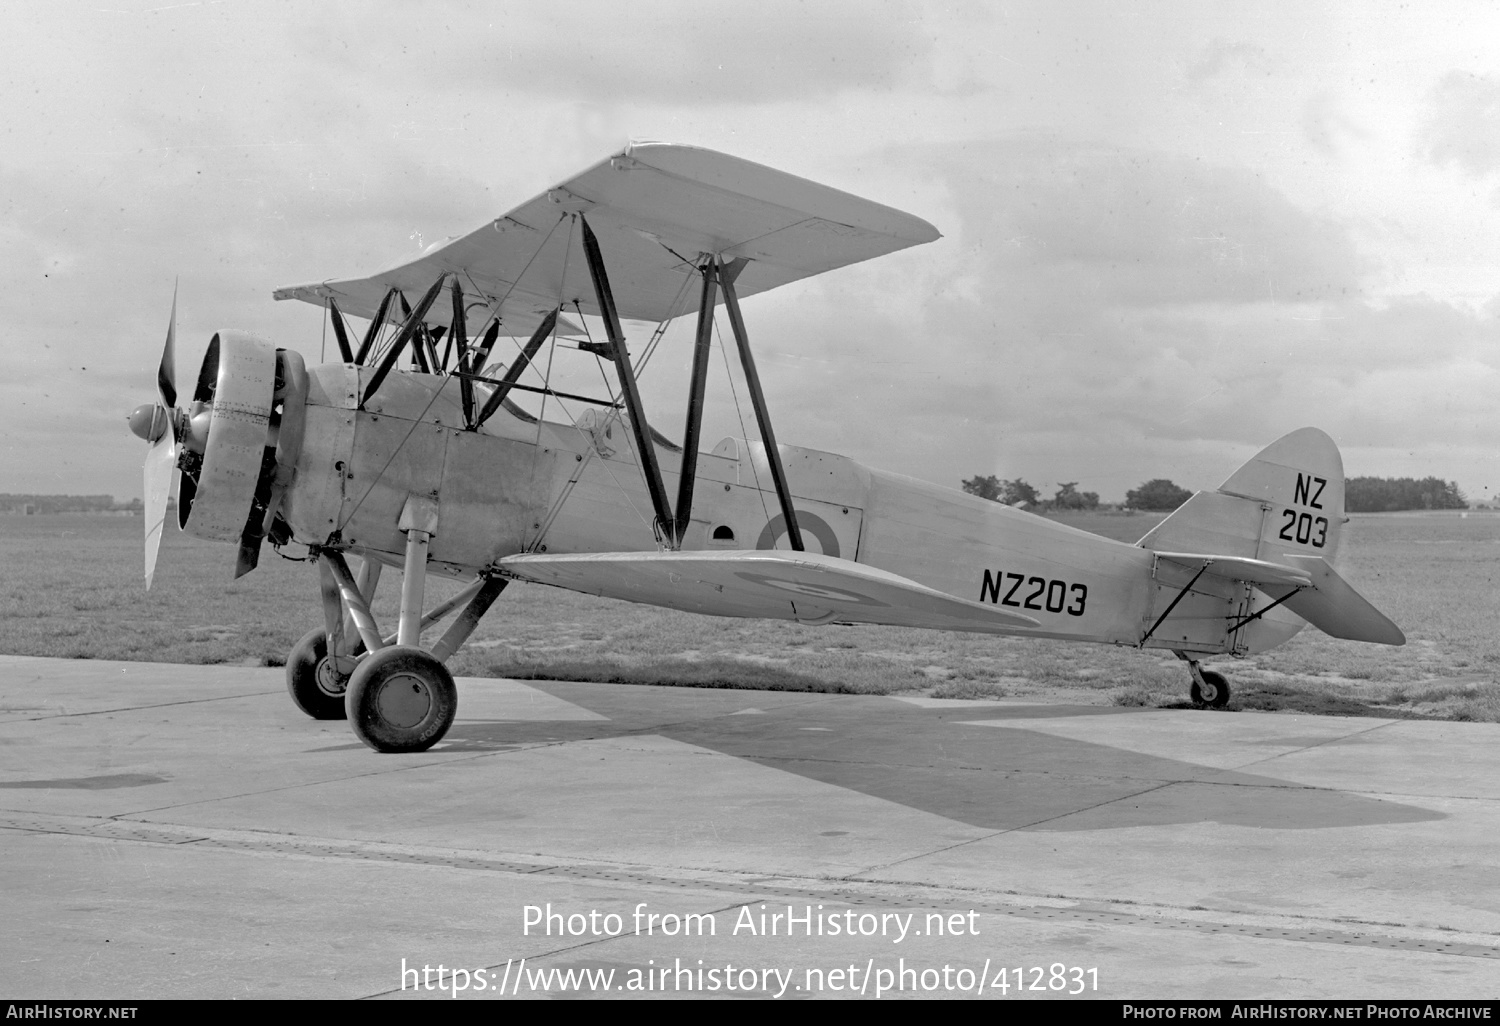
(808, 523)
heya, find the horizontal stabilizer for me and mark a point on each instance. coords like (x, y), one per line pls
(1325, 599)
(804, 586)
(1240, 568)
(1335, 608)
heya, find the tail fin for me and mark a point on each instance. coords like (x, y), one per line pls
(1285, 506)
(1288, 499)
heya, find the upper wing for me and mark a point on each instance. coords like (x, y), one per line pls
(655, 208)
(804, 586)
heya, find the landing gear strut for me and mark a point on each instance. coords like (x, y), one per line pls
(1209, 688)
(318, 666)
(397, 696)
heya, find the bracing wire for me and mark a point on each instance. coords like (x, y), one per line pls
(396, 451)
(447, 377)
(547, 384)
(552, 346)
(734, 393)
(676, 310)
(493, 314)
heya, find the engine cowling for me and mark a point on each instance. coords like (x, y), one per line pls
(241, 437)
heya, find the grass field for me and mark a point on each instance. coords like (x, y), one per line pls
(72, 587)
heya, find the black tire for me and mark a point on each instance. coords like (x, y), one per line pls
(316, 687)
(1216, 695)
(401, 699)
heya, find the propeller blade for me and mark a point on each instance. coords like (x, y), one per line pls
(161, 464)
(166, 374)
(248, 558)
(345, 351)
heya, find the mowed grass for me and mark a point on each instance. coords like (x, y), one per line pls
(73, 587)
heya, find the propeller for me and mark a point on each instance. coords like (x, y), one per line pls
(233, 452)
(154, 422)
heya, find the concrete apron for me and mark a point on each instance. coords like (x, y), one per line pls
(184, 831)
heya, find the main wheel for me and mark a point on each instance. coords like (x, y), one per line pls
(1214, 692)
(401, 699)
(316, 685)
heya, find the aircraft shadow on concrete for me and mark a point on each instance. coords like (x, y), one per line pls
(104, 783)
(997, 778)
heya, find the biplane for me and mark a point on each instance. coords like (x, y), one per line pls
(410, 451)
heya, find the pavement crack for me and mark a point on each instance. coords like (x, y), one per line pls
(142, 708)
(1320, 744)
(1010, 830)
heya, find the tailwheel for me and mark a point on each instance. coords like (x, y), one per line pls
(314, 681)
(1210, 689)
(401, 699)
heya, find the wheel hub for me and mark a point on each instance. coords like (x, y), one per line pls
(330, 681)
(404, 700)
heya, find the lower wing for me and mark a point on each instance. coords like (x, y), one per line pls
(802, 586)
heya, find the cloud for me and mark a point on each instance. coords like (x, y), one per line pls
(1142, 226)
(1221, 56)
(652, 51)
(1325, 126)
(1097, 312)
(1107, 315)
(1463, 123)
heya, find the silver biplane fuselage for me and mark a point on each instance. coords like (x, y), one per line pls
(519, 486)
(434, 469)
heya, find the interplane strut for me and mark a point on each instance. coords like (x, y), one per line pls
(727, 275)
(696, 385)
(516, 369)
(408, 331)
(644, 445)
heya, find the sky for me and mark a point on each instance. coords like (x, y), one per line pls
(1172, 232)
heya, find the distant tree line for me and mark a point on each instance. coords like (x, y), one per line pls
(1385, 494)
(65, 503)
(1019, 493)
(1158, 494)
